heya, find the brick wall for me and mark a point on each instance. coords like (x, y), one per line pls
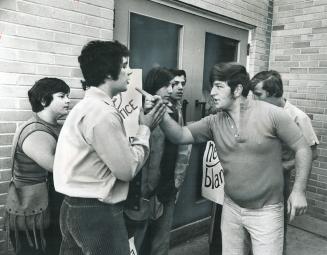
(299, 52)
(253, 12)
(41, 38)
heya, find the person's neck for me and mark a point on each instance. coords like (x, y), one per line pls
(175, 101)
(48, 117)
(107, 89)
(234, 109)
(283, 101)
(278, 101)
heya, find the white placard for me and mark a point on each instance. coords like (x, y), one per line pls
(213, 175)
(129, 103)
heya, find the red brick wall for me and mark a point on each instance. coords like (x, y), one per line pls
(299, 52)
(41, 38)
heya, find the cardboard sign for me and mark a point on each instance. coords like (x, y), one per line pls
(213, 175)
(132, 249)
(129, 103)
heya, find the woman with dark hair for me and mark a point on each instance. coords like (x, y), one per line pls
(35, 143)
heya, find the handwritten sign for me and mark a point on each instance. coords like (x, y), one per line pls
(213, 175)
(129, 103)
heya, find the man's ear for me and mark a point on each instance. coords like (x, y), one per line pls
(43, 103)
(238, 91)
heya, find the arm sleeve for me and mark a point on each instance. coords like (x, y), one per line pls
(286, 129)
(201, 130)
(304, 123)
(182, 162)
(124, 159)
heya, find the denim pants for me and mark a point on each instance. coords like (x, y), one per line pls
(286, 193)
(91, 227)
(263, 228)
(152, 237)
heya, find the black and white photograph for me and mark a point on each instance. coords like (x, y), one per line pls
(163, 127)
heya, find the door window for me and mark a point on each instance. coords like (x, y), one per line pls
(218, 49)
(153, 43)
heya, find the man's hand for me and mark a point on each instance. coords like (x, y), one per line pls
(296, 204)
(153, 117)
(150, 101)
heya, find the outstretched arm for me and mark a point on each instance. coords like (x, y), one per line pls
(175, 133)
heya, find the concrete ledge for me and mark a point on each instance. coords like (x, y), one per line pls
(189, 231)
(311, 224)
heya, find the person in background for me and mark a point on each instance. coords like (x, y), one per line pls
(178, 91)
(152, 196)
(184, 150)
(268, 86)
(248, 136)
(94, 160)
(34, 156)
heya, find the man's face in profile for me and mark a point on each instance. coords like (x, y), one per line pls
(221, 95)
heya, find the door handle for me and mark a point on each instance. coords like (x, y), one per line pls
(202, 105)
(184, 106)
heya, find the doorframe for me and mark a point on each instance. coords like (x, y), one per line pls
(189, 8)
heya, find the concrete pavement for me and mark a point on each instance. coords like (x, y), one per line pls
(299, 242)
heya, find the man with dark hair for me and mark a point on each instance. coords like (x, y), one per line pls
(248, 135)
(94, 160)
(176, 99)
(152, 195)
(268, 86)
(178, 91)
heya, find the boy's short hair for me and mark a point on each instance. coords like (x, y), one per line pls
(233, 74)
(271, 82)
(178, 72)
(157, 78)
(42, 92)
(101, 59)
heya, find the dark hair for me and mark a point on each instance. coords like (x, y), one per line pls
(157, 78)
(271, 82)
(100, 59)
(43, 90)
(232, 73)
(178, 72)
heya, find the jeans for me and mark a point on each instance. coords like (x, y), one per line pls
(215, 246)
(91, 227)
(263, 228)
(287, 191)
(152, 237)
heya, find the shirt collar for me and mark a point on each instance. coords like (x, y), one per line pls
(97, 93)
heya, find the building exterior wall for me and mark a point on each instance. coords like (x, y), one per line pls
(299, 53)
(252, 12)
(41, 38)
